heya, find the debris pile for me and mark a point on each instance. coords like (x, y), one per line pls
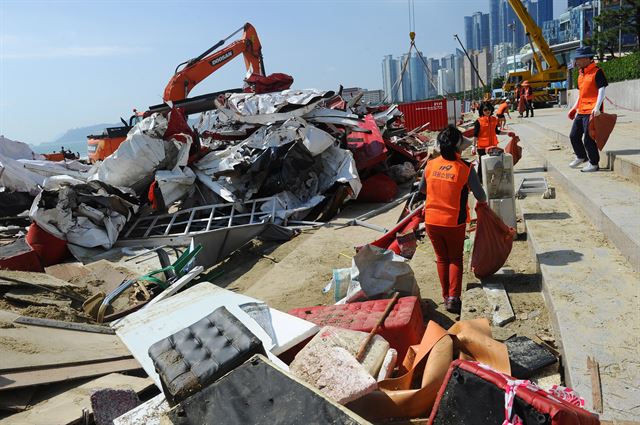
(138, 317)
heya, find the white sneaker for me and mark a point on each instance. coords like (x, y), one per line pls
(577, 162)
(589, 168)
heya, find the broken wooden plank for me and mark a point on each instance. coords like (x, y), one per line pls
(596, 384)
(61, 324)
(50, 375)
(37, 300)
(66, 408)
(67, 271)
(27, 347)
(10, 278)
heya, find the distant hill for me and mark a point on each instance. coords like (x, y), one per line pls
(81, 133)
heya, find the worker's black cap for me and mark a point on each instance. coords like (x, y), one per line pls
(584, 52)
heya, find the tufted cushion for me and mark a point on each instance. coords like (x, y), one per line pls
(198, 355)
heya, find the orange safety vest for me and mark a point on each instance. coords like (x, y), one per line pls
(487, 136)
(528, 93)
(503, 107)
(588, 89)
(447, 192)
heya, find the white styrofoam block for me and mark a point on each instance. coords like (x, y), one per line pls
(505, 209)
(497, 176)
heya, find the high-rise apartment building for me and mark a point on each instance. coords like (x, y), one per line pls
(468, 33)
(495, 35)
(508, 16)
(390, 75)
(418, 78)
(477, 31)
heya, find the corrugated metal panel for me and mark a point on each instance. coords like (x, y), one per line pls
(426, 111)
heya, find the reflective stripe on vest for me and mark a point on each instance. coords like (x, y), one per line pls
(588, 89)
(487, 136)
(447, 192)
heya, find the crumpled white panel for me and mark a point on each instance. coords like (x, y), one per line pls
(14, 177)
(269, 103)
(17, 150)
(288, 205)
(175, 184)
(339, 165)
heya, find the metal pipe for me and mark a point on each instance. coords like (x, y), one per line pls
(471, 62)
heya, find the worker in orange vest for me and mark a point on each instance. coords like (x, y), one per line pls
(485, 131)
(446, 183)
(520, 100)
(527, 92)
(503, 108)
(591, 86)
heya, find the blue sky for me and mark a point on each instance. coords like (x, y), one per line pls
(67, 64)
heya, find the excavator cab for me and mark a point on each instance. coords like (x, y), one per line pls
(100, 146)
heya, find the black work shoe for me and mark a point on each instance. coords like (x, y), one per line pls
(453, 305)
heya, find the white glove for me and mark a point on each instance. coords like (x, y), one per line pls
(474, 150)
(595, 112)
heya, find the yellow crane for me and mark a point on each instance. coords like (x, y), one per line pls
(542, 79)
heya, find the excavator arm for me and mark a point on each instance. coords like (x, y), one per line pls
(188, 74)
(535, 33)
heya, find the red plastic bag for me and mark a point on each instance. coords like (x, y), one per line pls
(493, 243)
(513, 148)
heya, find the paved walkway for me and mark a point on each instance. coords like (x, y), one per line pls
(590, 285)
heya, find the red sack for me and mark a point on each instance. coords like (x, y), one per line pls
(273, 82)
(177, 124)
(600, 128)
(50, 249)
(513, 148)
(493, 243)
(378, 188)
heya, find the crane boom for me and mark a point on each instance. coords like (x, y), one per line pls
(535, 33)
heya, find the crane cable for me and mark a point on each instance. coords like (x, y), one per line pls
(405, 65)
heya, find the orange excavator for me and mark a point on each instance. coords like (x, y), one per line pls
(197, 69)
(187, 75)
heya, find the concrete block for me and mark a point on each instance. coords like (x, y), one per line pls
(498, 298)
(350, 340)
(335, 372)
